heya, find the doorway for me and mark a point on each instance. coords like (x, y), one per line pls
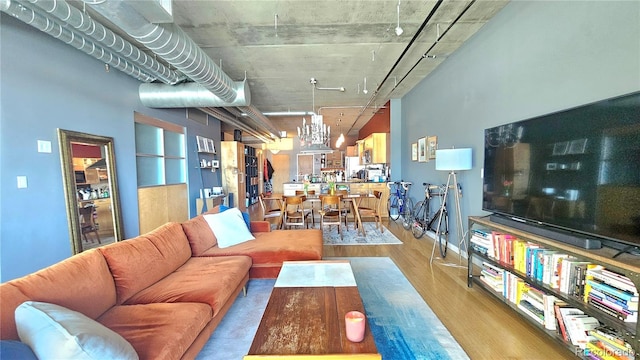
(280, 163)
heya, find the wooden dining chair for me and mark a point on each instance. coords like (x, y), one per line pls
(87, 223)
(331, 212)
(311, 208)
(270, 213)
(346, 207)
(374, 211)
(295, 213)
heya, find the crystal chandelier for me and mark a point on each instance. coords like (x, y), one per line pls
(314, 136)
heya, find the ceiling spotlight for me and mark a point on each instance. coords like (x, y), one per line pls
(365, 91)
(399, 30)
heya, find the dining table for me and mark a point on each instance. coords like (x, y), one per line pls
(354, 199)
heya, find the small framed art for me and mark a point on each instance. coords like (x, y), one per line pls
(414, 152)
(422, 149)
(432, 146)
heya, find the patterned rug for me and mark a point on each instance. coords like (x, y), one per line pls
(352, 237)
(403, 325)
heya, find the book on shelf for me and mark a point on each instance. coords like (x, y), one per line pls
(560, 327)
(609, 342)
(578, 326)
(611, 278)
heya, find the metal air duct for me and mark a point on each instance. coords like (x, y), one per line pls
(41, 22)
(172, 45)
(189, 95)
(82, 22)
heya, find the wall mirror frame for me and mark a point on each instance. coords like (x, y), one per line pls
(66, 140)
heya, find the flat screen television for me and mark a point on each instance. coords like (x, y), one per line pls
(572, 175)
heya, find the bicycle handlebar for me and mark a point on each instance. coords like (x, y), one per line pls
(405, 184)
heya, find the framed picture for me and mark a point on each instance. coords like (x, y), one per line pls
(422, 149)
(577, 146)
(414, 152)
(432, 146)
(560, 148)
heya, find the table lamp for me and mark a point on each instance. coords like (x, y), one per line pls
(453, 160)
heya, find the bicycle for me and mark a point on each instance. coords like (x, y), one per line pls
(399, 202)
(438, 222)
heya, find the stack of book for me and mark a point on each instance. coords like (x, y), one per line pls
(573, 325)
(611, 293)
(492, 276)
(608, 345)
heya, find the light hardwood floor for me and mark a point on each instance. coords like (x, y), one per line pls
(483, 326)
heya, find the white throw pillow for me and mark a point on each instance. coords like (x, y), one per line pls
(229, 227)
(55, 332)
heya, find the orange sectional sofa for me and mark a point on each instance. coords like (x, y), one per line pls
(164, 292)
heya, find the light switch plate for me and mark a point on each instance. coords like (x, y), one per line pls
(44, 146)
(22, 182)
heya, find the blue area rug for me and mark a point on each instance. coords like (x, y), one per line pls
(403, 325)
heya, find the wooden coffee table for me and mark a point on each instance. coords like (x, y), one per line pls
(304, 317)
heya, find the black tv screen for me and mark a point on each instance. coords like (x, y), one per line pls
(575, 170)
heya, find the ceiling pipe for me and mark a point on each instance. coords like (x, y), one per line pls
(171, 44)
(82, 22)
(189, 95)
(259, 118)
(223, 116)
(36, 19)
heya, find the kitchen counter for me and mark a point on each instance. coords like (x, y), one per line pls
(354, 187)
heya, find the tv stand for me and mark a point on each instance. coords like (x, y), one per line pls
(566, 237)
(512, 268)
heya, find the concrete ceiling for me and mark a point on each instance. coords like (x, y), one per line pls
(280, 45)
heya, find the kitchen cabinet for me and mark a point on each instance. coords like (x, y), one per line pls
(309, 164)
(92, 176)
(334, 160)
(104, 217)
(233, 172)
(374, 149)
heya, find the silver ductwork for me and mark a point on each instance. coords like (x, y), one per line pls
(69, 15)
(171, 44)
(41, 22)
(259, 118)
(190, 95)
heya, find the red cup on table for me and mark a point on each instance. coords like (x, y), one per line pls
(355, 324)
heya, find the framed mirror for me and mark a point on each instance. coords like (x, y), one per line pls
(91, 189)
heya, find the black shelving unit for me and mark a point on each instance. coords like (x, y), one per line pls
(251, 171)
(627, 265)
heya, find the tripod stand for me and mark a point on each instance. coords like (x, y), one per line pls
(452, 183)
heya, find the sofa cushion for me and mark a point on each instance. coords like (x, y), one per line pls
(172, 243)
(158, 331)
(277, 246)
(199, 234)
(55, 332)
(229, 227)
(245, 215)
(82, 283)
(140, 262)
(204, 280)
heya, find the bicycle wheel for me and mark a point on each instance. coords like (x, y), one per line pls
(443, 234)
(392, 207)
(418, 225)
(407, 214)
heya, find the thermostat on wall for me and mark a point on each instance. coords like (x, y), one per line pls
(215, 164)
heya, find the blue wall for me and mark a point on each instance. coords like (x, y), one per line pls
(533, 58)
(44, 85)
